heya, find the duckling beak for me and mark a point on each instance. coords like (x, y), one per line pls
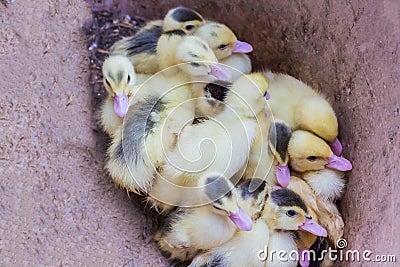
(336, 147)
(241, 220)
(313, 227)
(121, 103)
(220, 72)
(242, 47)
(339, 163)
(282, 175)
(267, 96)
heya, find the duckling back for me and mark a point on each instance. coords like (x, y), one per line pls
(300, 106)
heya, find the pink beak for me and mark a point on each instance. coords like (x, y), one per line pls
(336, 147)
(282, 175)
(121, 103)
(241, 220)
(242, 47)
(313, 227)
(304, 257)
(339, 163)
(220, 72)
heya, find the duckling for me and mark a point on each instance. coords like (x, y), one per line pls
(189, 230)
(177, 51)
(323, 211)
(242, 249)
(305, 240)
(238, 64)
(304, 108)
(268, 157)
(283, 211)
(286, 211)
(218, 139)
(120, 81)
(227, 48)
(141, 48)
(313, 157)
(159, 109)
(222, 40)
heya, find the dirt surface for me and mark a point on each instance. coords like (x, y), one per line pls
(57, 205)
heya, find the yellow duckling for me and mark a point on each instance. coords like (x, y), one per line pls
(217, 139)
(227, 48)
(268, 157)
(321, 168)
(324, 212)
(177, 52)
(222, 40)
(304, 108)
(304, 240)
(158, 110)
(141, 48)
(286, 211)
(120, 81)
(283, 211)
(190, 230)
(243, 247)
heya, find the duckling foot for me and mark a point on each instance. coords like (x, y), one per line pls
(178, 245)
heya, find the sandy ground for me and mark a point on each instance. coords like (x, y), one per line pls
(57, 205)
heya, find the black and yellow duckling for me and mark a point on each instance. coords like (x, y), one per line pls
(190, 230)
(141, 48)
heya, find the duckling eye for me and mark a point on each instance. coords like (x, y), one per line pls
(108, 83)
(312, 158)
(128, 79)
(189, 27)
(215, 207)
(194, 64)
(291, 213)
(222, 47)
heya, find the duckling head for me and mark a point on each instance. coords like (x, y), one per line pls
(317, 116)
(309, 152)
(278, 141)
(222, 40)
(118, 78)
(291, 213)
(223, 198)
(182, 18)
(252, 195)
(248, 94)
(197, 59)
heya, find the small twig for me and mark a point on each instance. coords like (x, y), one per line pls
(102, 51)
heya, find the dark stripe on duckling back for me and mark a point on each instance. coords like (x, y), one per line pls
(145, 41)
(218, 89)
(183, 14)
(287, 198)
(279, 136)
(137, 124)
(217, 261)
(245, 191)
(175, 32)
